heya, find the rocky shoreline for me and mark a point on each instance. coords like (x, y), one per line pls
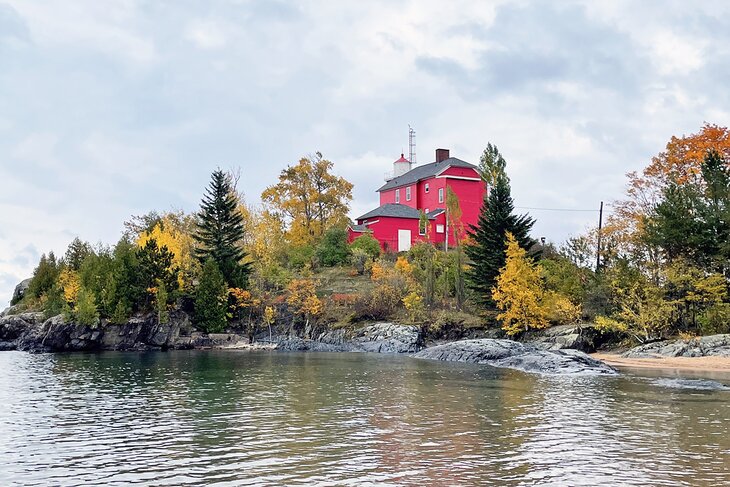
(32, 333)
(558, 350)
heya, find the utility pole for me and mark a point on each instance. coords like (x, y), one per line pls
(598, 250)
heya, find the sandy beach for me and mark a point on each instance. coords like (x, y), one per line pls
(699, 364)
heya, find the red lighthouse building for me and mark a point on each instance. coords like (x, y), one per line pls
(396, 223)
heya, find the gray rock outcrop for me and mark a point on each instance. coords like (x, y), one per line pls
(706, 346)
(515, 355)
(577, 337)
(20, 290)
(377, 338)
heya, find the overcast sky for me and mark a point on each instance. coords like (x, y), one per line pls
(114, 108)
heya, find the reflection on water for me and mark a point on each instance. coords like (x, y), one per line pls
(267, 418)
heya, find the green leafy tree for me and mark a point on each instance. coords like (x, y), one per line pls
(454, 213)
(491, 165)
(368, 243)
(488, 241)
(333, 249)
(220, 230)
(211, 299)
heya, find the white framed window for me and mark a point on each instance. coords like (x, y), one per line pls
(397, 195)
(422, 227)
(441, 195)
(426, 188)
(427, 212)
(408, 193)
(439, 228)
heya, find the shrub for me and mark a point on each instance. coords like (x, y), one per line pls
(359, 259)
(300, 256)
(368, 243)
(379, 304)
(560, 310)
(414, 304)
(333, 249)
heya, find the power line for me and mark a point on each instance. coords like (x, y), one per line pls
(551, 209)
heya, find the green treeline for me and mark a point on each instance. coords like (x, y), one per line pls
(664, 261)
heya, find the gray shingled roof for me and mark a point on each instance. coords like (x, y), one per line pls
(359, 228)
(398, 211)
(423, 172)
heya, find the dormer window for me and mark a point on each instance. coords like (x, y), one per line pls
(408, 193)
(426, 188)
(397, 195)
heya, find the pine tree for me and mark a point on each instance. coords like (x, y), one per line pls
(220, 230)
(211, 301)
(486, 251)
(44, 276)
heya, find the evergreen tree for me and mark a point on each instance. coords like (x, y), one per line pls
(156, 267)
(211, 299)
(220, 229)
(489, 239)
(44, 276)
(692, 220)
(76, 252)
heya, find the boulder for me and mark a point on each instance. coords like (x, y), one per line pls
(711, 345)
(515, 355)
(577, 337)
(20, 290)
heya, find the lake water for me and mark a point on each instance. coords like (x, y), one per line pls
(267, 418)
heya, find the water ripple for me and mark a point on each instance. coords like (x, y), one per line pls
(238, 418)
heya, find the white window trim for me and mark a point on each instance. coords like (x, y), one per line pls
(426, 188)
(397, 195)
(441, 195)
(422, 230)
(465, 178)
(408, 193)
(440, 228)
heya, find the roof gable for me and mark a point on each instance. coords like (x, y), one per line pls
(425, 171)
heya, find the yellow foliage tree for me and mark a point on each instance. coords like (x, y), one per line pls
(302, 297)
(414, 304)
(174, 233)
(402, 265)
(69, 281)
(269, 317)
(310, 198)
(518, 293)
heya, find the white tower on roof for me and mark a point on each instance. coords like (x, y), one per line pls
(401, 166)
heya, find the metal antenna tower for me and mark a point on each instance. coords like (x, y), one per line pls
(411, 145)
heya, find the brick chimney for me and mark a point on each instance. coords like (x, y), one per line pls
(442, 154)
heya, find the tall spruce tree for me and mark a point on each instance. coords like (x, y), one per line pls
(487, 250)
(219, 230)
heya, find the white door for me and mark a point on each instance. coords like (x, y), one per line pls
(404, 240)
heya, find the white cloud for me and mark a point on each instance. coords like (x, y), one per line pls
(206, 34)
